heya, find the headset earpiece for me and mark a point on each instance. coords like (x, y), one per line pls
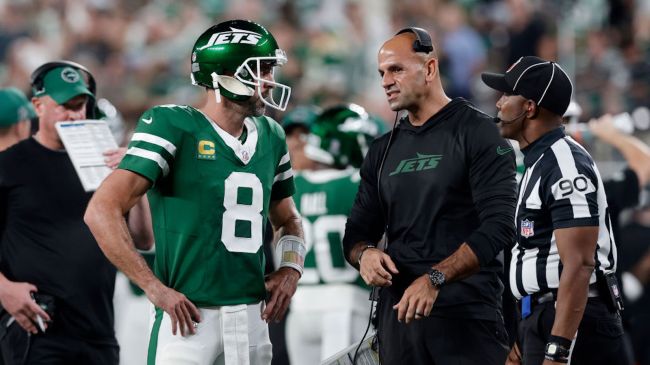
(38, 75)
(422, 42)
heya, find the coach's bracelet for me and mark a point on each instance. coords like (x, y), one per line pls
(558, 349)
(361, 253)
(290, 252)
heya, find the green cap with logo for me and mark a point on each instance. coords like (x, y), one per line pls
(14, 107)
(62, 84)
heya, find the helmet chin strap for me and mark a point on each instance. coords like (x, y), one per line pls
(215, 85)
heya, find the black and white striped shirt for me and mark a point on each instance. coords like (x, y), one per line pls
(561, 188)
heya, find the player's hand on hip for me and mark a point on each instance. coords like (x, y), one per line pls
(376, 268)
(113, 157)
(417, 301)
(549, 362)
(182, 312)
(514, 357)
(16, 298)
(282, 285)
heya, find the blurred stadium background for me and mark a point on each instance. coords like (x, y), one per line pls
(139, 49)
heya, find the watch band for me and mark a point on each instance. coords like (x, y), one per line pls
(361, 253)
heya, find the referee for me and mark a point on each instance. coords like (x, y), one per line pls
(563, 262)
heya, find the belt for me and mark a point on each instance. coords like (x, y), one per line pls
(543, 297)
(551, 295)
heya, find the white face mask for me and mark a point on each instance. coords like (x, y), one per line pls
(252, 68)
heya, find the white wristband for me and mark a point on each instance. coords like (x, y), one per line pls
(290, 252)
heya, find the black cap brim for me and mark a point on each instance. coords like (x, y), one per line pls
(496, 81)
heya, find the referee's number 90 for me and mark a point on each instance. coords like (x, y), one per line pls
(567, 186)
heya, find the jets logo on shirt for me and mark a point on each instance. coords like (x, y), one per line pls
(234, 36)
(419, 163)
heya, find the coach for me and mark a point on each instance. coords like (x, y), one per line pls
(442, 188)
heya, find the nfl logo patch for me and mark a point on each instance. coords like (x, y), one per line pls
(527, 228)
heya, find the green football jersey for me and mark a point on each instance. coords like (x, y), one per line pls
(209, 200)
(324, 199)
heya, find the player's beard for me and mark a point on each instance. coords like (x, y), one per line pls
(257, 106)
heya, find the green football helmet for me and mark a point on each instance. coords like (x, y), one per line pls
(233, 56)
(300, 116)
(340, 136)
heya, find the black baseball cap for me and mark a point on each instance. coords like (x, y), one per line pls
(544, 82)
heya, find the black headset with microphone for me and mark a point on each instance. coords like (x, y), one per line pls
(38, 75)
(502, 121)
(506, 122)
(422, 42)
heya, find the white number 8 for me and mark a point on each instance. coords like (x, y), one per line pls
(243, 212)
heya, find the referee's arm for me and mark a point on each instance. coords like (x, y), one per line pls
(570, 189)
(576, 246)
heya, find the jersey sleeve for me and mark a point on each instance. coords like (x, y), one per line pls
(366, 222)
(491, 161)
(153, 146)
(569, 188)
(283, 181)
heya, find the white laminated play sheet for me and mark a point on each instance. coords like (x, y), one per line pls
(85, 141)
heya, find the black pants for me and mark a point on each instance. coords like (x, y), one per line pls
(54, 348)
(600, 336)
(438, 340)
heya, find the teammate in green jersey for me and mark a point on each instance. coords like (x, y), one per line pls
(330, 309)
(213, 175)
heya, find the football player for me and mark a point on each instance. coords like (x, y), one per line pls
(296, 124)
(330, 309)
(214, 175)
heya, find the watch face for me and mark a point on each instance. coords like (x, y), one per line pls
(437, 278)
(552, 349)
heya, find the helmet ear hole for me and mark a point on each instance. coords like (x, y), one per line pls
(235, 86)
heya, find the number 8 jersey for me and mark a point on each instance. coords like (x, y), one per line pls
(209, 200)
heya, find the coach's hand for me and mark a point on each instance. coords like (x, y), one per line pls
(113, 157)
(376, 267)
(281, 284)
(182, 312)
(16, 299)
(417, 301)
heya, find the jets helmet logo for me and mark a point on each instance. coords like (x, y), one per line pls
(69, 75)
(234, 36)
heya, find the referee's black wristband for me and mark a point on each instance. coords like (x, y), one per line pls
(562, 341)
(558, 349)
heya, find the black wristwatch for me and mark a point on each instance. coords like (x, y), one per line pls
(437, 278)
(557, 352)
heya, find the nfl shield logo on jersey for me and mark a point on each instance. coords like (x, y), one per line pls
(527, 228)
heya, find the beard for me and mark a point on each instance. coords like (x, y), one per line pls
(259, 108)
(253, 107)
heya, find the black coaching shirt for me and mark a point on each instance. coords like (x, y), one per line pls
(561, 188)
(449, 181)
(44, 240)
